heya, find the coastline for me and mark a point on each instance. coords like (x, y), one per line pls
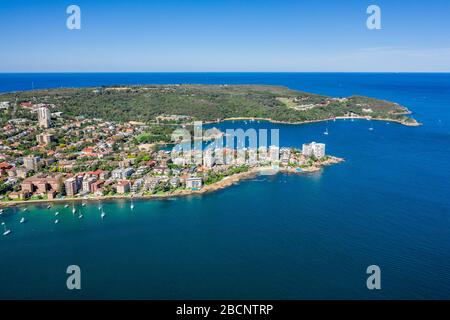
(408, 124)
(219, 185)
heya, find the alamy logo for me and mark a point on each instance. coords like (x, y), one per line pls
(74, 20)
(374, 280)
(237, 146)
(74, 280)
(374, 20)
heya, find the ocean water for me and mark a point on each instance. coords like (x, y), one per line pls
(271, 237)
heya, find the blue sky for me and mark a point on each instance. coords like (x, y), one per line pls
(224, 35)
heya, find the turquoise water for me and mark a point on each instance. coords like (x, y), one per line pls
(284, 236)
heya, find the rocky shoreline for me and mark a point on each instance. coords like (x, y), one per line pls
(414, 123)
(222, 184)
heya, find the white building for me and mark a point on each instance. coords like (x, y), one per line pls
(285, 154)
(314, 149)
(71, 187)
(262, 154)
(274, 153)
(44, 117)
(122, 174)
(229, 156)
(174, 182)
(240, 156)
(31, 162)
(252, 156)
(87, 183)
(44, 138)
(194, 183)
(179, 161)
(208, 159)
(137, 185)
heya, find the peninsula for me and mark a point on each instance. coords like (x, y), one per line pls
(100, 143)
(159, 104)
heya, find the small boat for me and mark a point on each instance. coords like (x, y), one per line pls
(56, 214)
(99, 208)
(83, 205)
(326, 132)
(56, 221)
(49, 206)
(66, 206)
(22, 220)
(73, 209)
(25, 209)
(80, 216)
(370, 129)
(103, 214)
(6, 231)
(1, 212)
(132, 203)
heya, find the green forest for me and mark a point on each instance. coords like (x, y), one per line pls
(206, 103)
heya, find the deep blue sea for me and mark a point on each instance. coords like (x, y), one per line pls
(271, 237)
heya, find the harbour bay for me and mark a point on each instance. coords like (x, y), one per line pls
(308, 236)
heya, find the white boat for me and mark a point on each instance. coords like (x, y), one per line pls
(56, 221)
(132, 203)
(22, 220)
(83, 205)
(103, 214)
(326, 132)
(49, 206)
(66, 206)
(80, 216)
(25, 209)
(56, 214)
(370, 129)
(73, 209)
(99, 208)
(6, 231)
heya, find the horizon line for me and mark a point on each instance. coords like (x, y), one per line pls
(200, 72)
